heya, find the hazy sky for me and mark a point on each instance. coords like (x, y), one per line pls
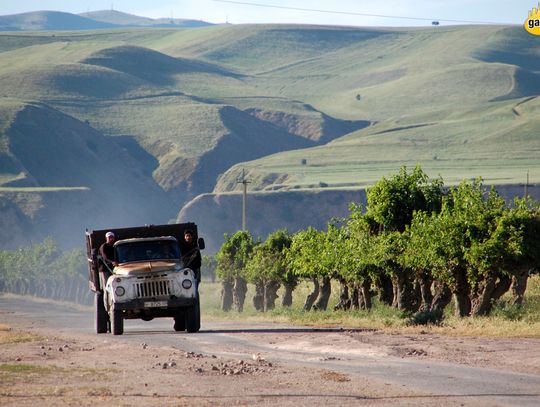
(496, 11)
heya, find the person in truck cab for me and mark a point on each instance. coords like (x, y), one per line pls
(108, 261)
(191, 256)
(168, 252)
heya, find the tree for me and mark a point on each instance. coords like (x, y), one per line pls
(332, 259)
(303, 258)
(232, 259)
(317, 255)
(444, 237)
(468, 246)
(392, 203)
(360, 269)
(511, 250)
(46, 271)
(420, 255)
(267, 269)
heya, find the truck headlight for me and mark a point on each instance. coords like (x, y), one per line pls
(187, 284)
(120, 291)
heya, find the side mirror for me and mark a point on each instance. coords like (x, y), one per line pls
(201, 244)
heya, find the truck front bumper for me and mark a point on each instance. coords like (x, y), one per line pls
(148, 305)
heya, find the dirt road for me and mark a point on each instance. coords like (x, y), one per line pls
(246, 364)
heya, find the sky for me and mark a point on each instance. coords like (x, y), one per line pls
(337, 12)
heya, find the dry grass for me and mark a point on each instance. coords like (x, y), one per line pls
(505, 320)
(8, 335)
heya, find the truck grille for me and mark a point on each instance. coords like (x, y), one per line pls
(155, 288)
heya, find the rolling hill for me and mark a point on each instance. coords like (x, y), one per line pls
(460, 101)
(50, 20)
(94, 20)
(304, 109)
(59, 172)
(129, 20)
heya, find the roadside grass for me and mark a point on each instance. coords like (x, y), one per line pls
(505, 320)
(22, 372)
(24, 379)
(7, 335)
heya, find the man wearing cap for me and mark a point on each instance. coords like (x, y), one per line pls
(106, 251)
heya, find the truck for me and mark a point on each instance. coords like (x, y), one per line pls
(149, 279)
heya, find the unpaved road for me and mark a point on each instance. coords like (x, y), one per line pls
(245, 364)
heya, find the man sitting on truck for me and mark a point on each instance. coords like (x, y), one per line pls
(108, 261)
(191, 256)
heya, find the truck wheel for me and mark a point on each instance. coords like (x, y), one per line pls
(117, 321)
(193, 318)
(101, 318)
(180, 321)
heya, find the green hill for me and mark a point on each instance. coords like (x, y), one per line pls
(459, 101)
(95, 20)
(117, 18)
(300, 108)
(49, 20)
(130, 20)
(59, 173)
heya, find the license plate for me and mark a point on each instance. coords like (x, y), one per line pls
(153, 304)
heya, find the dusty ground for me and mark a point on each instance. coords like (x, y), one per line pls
(507, 354)
(79, 370)
(44, 368)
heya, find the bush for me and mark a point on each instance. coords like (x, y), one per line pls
(427, 318)
(510, 312)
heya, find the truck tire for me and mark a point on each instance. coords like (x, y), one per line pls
(117, 321)
(193, 318)
(101, 318)
(180, 321)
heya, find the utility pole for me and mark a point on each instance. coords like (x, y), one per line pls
(244, 181)
(527, 186)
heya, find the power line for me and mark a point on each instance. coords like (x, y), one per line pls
(352, 13)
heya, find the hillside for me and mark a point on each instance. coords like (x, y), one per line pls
(61, 176)
(136, 91)
(94, 20)
(130, 20)
(300, 108)
(461, 102)
(49, 20)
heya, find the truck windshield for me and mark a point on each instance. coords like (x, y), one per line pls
(144, 251)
